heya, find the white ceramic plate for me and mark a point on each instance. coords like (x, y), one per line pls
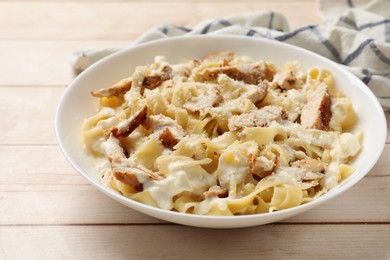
(77, 105)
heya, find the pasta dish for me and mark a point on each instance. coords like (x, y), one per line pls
(223, 135)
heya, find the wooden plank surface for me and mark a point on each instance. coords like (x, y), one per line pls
(46, 164)
(60, 190)
(48, 211)
(307, 241)
(124, 20)
(82, 204)
(43, 62)
(28, 114)
(66, 198)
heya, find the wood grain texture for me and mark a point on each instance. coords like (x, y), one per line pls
(78, 203)
(48, 211)
(269, 2)
(28, 114)
(160, 242)
(43, 63)
(126, 20)
(46, 165)
(66, 198)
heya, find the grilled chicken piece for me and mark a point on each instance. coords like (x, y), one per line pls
(316, 113)
(208, 97)
(249, 73)
(149, 82)
(167, 129)
(223, 56)
(122, 172)
(121, 169)
(310, 164)
(157, 78)
(257, 118)
(261, 166)
(287, 80)
(125, 128)
(257, 93)
(168, 139)
(128, 175)
(129, 179)
(216, 191)
(314, 168)
(117, 90)
(114, 150)
(190, 67)
(158, 123)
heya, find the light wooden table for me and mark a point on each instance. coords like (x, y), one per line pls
(47, 211)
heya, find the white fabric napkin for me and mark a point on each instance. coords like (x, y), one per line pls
(356, 34)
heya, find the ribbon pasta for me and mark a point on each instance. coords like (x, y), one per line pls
(224, 135)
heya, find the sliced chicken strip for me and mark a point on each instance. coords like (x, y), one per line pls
(249, 73)
(216, 191)
(261, 166)
(316, 113)
(222, 56)
(168, 139)
(116, 90)
(208, 96)
(287, 80)
(167, 130)
(257, 118)
(257, 93)
(120, 167)
(157, 77)
(314, 168)
(126, 127)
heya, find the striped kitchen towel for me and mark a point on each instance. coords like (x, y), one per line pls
(356, 34)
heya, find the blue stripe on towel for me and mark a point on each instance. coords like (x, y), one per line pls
(373, 24)
(387, 32)
(356, 52)
(252, 32)
(184, 29)
(165, 29)
(206, 28)
(348, 21)
(367, 76)
(379, 54)
(271, 20)
(225, 22)
(294, 33)
(328, 45)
